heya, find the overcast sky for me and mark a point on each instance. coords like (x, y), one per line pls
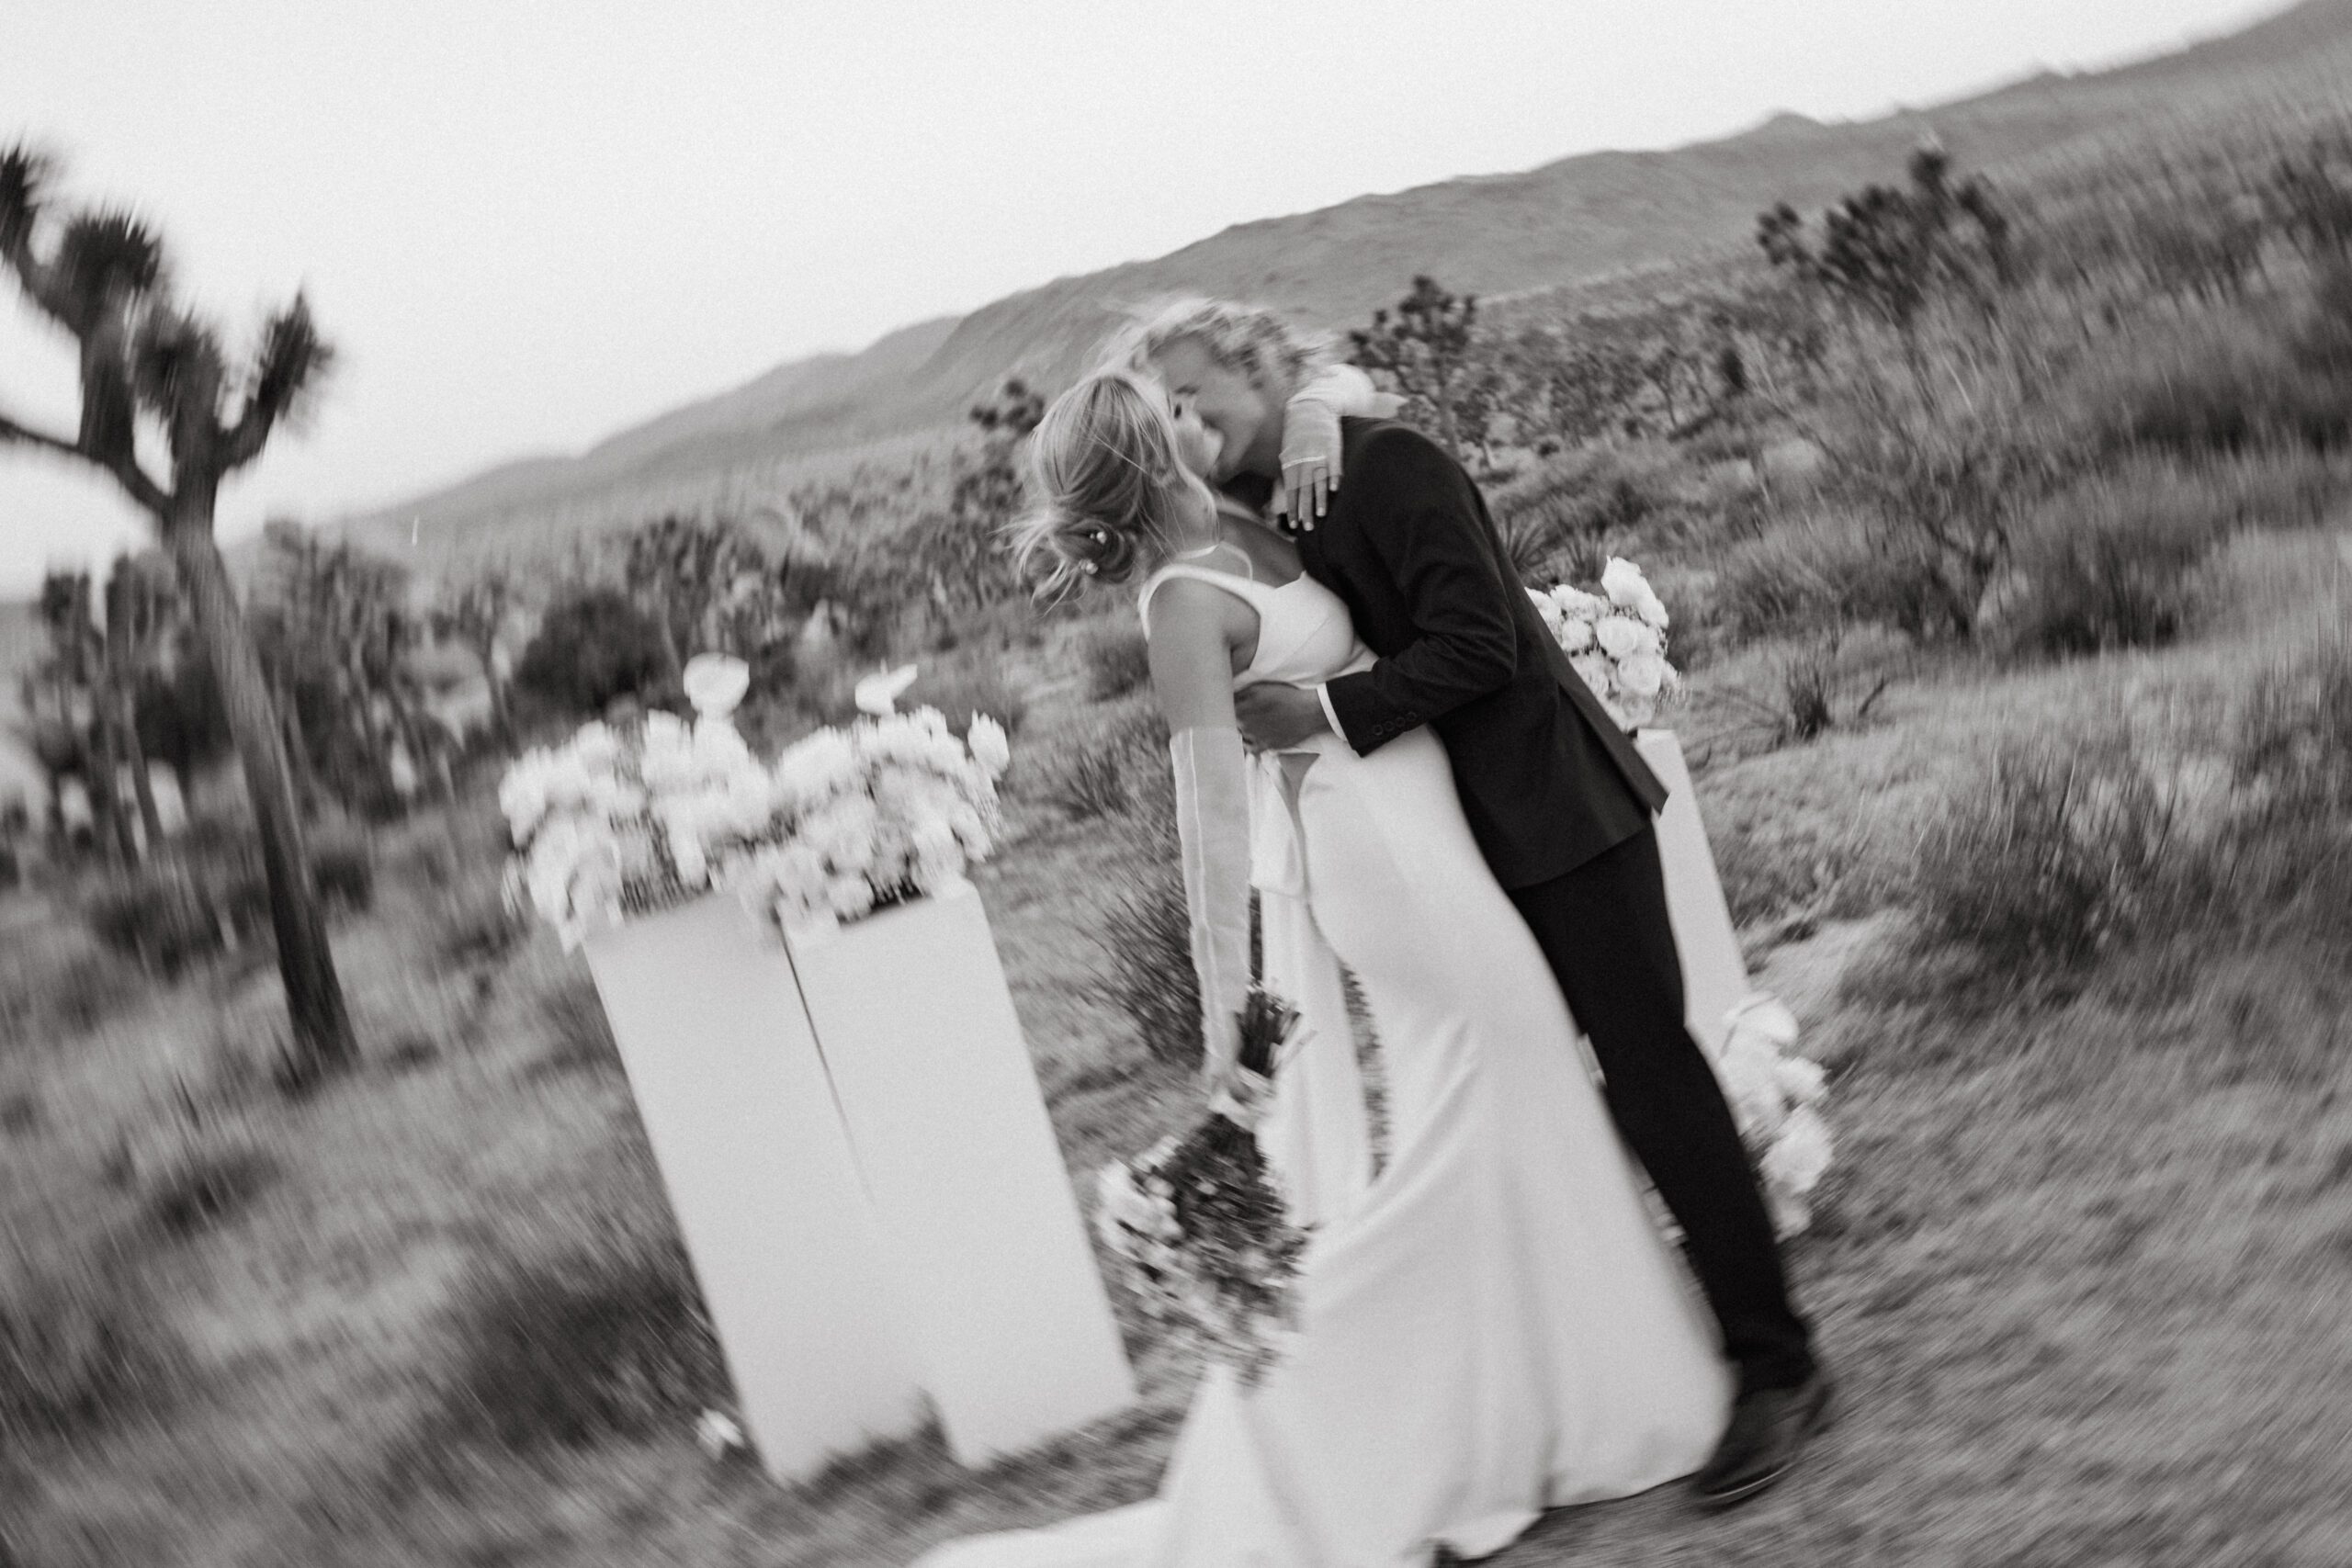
(527, 225)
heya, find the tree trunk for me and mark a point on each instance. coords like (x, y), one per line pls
(499, 722)
(104, 777)
(141, 784)
(123, 686)
(322, 1033)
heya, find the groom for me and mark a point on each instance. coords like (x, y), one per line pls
(1560, 802)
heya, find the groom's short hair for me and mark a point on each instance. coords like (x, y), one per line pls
(1250, 338)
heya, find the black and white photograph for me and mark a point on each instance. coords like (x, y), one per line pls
(1062, 785)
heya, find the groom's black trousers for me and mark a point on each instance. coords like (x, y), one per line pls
(1604, 927)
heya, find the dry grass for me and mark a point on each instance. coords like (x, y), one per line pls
(2072, 1252)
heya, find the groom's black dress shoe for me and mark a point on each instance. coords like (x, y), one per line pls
(1768, 1428)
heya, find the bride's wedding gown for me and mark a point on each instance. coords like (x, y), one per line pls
(1494, 1325)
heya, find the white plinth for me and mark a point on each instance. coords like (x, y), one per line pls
(759, 1170)
(1010, 1327)
(1715, 975)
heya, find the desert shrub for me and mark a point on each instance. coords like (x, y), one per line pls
(1089, 780)
(1809, 689)
(1144, 971)
(2230, 386)
(344, 875)
(1115, 660)
(162, 920)
(1829, 569)
(201, 1181)
(1119, 766)
(591, 650)
(77, 1355)
(611, 1341)
(68, 997)
(579, 1037)
(210, 895)
(2290, 759)
(480, 932)
(1564, 519)
(2113, 565)
(2051, 857)
(975, 681)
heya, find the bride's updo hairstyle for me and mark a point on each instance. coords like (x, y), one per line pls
(1108, 485)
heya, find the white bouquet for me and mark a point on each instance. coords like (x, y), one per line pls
(1616, 640)
(1776, 1098)
(889, 807)
(623, 821)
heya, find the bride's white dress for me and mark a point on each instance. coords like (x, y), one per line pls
(1494, 1325)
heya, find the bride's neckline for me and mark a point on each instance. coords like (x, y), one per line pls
(1249, 563)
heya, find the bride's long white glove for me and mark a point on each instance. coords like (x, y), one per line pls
(1311, 451)
(1213, 828)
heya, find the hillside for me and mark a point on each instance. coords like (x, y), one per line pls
(1579, 219)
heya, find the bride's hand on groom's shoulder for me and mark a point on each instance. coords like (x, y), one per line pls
(1311, 460)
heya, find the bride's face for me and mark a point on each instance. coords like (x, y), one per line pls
(1196, 445)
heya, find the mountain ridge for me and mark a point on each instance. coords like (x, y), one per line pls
(1583, 217)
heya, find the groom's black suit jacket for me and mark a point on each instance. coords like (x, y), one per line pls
(1546, 780)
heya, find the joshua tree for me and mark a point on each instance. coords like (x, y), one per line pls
(100, 276)
(1425, 347)
(474, 612)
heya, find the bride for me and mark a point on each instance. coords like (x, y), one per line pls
(1493, 1325)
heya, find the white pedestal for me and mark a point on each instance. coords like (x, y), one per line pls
(752, 1148)
(1715, 975)
(1012, 1329)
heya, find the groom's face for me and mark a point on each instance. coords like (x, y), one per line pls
(1231, 404)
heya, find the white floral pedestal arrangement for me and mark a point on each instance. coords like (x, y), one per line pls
(761, 1175)
(846, 1120)
(1009, 1324)
(1616, 642)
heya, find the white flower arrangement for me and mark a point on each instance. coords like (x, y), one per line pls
(890, 808)
(1776, 1098)
(1616, 641)
(623, 821)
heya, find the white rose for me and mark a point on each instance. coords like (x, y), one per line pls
(1765, 1018)
(1802, 1080)
(845, 831)
(992, 748)
(1801, 1153)
(1652, 609)
(1549, 608)
(523, 796)
(1575, 635)
(715, 683)
(1577, 604)
(878, 693)
(1618, 637)
(1642, 674)
(720, 748)
(814, 769)
(849, 897)
(1596, 671)
(595, 745)
(1622, 582)
(1754, 1095)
